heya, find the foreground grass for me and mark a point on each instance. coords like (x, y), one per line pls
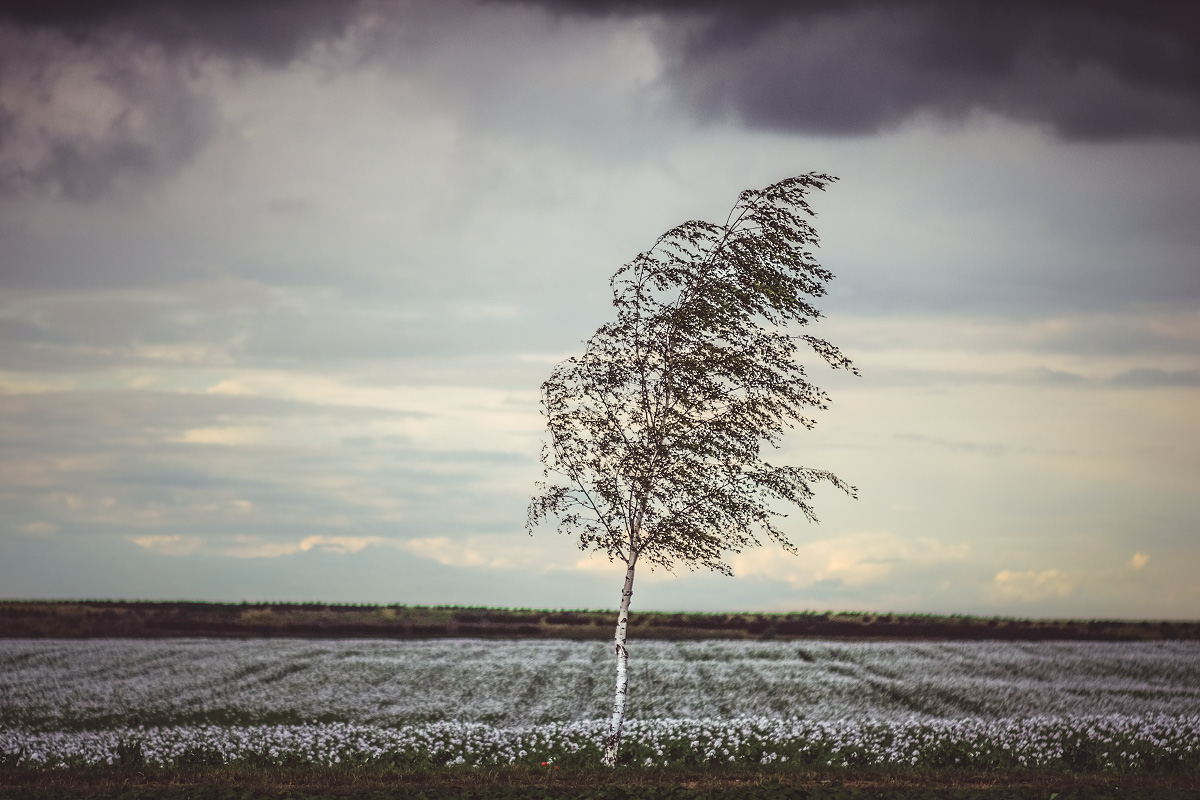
(247, 782)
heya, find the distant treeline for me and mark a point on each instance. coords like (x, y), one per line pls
(84, 619)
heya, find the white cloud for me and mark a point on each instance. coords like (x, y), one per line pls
(1033, 585)
(340, 544)
(39, 528)
(512, 551)
(252, 547)
(444, 551)
(856, 559)
(593, 562)
(232, 435)
(1139, 561)
(227, 386)
(599, 564)
(169, 545)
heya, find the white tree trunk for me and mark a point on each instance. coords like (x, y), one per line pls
(618, 716)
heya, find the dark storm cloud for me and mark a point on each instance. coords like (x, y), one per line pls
(138, 62)
(86, 166)
(1090, 70)
(98, 119)
(269, 31)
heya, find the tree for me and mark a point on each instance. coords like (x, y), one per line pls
(657, 430)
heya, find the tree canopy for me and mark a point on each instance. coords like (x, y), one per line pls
(657, 430)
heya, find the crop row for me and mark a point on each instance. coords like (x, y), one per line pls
(1112, 743)
(89, 684)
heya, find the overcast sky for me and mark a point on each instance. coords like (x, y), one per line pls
(279, 282)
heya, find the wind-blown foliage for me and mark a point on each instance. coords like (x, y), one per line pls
(657, 427)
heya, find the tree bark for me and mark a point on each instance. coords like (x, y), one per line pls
(618, 716)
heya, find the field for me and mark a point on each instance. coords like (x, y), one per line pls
(1125, 711)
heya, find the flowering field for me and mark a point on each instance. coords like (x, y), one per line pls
(1115, 742)
(1099, 706)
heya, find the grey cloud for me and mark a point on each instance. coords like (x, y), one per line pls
(1138, 378)
(1124, 336)
(114, 462)
(900, 376)
(1090, 70)
(1144, 377)
(80, 122)
(86, 166)
(8, 122)
(1047, 376)
(101, 419)
(138, 63)
(984, 448)
(291, 206)
(268, 31)
(216, 326)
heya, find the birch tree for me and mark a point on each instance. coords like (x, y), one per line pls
(658, 431)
